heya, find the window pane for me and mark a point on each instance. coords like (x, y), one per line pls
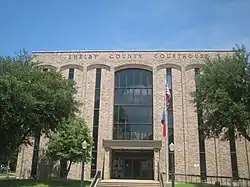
(96, 118)
(45, 69)
(71, 73)
(170, 118)
(93, 171)
(137, 96)
(170, 107)
(170, 135)
(150, 80)
(94, 155)
(98, 81)
(132, 132)
(169, 78)
(121, 79)
(170, 160)
(130, 77)
(116, 119)
(133, 96)
(93, 160)
(95, 138)
(115, 131)
(139, 132)
(124, 96)
(135, 114)
(97, 98)
(137, 79)
(201, 143)
(117, 81)
(119, 132)
(147, 79)
(146, 96)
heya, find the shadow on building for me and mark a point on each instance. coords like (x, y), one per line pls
(47, 169)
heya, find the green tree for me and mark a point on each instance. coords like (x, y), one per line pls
(222, 96)
(66, 144)
(32, 102)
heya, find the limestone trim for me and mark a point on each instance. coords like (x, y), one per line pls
(67, 66)
(95, 66)
(48, 66)
(130, 66)
(168, 65)
(132, 144)
(193, 66)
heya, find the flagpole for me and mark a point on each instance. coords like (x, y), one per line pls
(166, 134)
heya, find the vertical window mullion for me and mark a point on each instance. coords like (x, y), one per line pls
(170, 120)
(96, 119)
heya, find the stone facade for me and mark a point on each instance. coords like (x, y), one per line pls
(186, 140)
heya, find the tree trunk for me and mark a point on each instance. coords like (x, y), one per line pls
(35, 155)
(63, 169)
(70, 162)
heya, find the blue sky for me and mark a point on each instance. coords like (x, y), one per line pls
(123, 24)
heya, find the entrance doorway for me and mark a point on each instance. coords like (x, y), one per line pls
(132, 164)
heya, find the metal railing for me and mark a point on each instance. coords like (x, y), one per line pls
(221, 180)
(96, 179)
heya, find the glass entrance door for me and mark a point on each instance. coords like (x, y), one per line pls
(132, 165)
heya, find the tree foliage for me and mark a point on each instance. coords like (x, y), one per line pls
(222, 96)
(66, 144)
(30, 100)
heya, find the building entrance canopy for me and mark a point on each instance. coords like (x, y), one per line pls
(133, 144)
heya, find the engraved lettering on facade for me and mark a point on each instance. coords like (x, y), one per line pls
(179, 55)
(86, 56)
(125, 56)
(135, 56)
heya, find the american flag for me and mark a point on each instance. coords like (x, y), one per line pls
(166, 105)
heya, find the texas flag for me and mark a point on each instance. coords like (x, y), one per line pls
(164, 114)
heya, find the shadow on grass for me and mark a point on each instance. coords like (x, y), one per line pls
(40, 183)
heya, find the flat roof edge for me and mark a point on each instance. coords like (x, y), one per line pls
(108, 51)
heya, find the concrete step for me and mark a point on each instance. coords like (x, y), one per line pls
(128, 183)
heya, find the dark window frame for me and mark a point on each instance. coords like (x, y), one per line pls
(169, 74)
(71, 74)
(132, 88)
(96, 122)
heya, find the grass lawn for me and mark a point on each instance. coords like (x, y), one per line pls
(40, 183)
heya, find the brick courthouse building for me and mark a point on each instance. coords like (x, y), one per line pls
(123, 96)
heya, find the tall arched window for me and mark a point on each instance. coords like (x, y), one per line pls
(133, 106)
